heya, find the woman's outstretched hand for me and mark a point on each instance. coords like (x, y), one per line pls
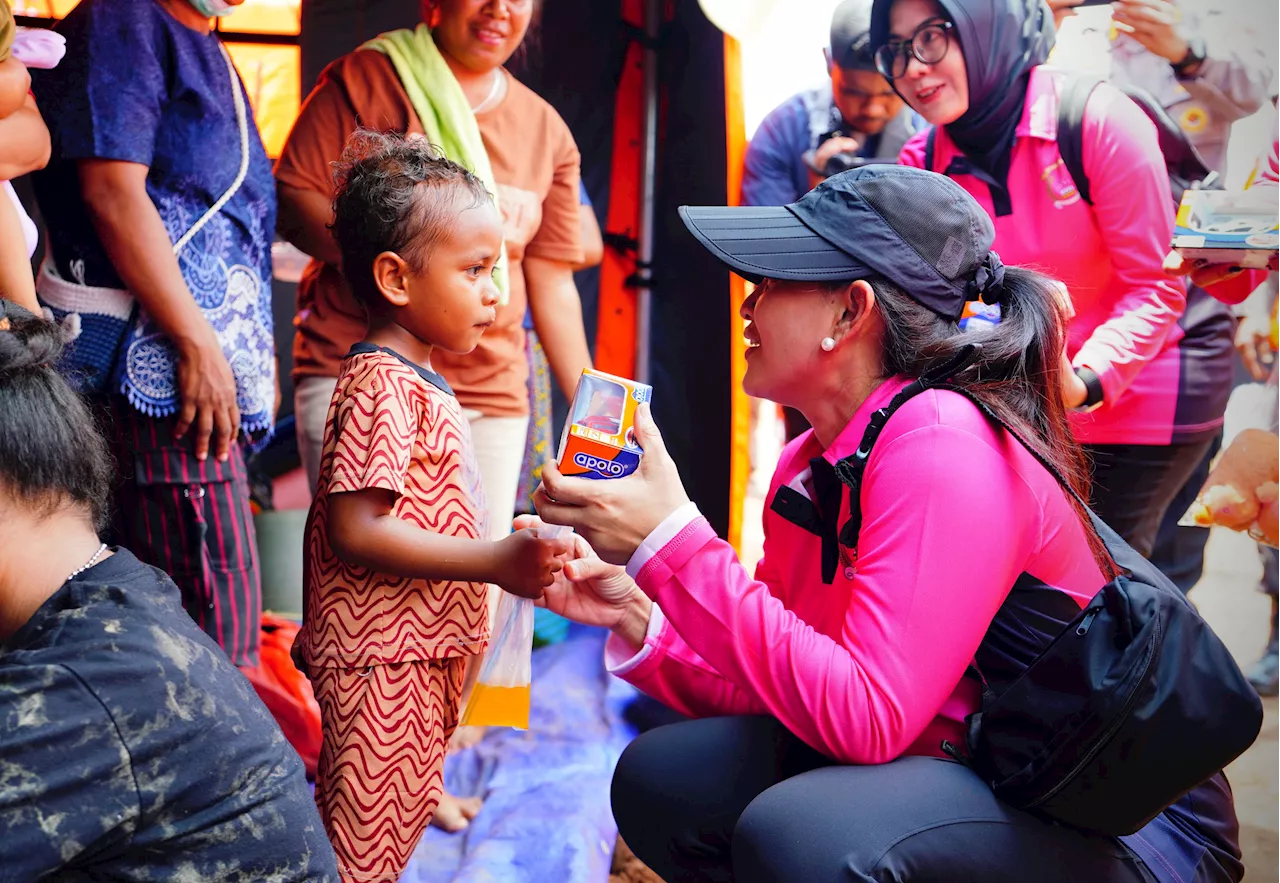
(591, 591)
(1205, 274)
(617, 514)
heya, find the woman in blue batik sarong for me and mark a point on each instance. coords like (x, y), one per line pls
(160, 205)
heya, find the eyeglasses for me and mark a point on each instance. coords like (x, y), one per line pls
(929, 45)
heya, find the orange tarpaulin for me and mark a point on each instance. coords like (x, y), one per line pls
(43, 8)
(616, 334)
(265, 17)
(271, 73)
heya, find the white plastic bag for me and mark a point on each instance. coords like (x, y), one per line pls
(500, 697)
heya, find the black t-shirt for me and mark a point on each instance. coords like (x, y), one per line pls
(131, 748)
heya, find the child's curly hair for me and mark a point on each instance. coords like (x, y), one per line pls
(379, 206)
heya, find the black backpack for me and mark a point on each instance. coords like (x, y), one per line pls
(1187, 170)
(1134, 703)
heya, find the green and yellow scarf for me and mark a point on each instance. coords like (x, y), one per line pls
(441, 107)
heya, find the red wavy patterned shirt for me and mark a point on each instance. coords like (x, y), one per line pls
(394, 425)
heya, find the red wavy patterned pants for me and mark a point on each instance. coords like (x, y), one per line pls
(382, 759)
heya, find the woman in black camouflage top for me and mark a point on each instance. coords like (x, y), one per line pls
(130, 748)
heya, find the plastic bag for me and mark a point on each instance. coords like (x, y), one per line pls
(500, 697)
(1241, 490)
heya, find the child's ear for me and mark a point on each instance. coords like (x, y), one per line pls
(389, 275)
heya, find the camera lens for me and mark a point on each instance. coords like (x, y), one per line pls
(843, 162)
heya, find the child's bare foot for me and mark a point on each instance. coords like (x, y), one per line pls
(454, 814)
(465, 737)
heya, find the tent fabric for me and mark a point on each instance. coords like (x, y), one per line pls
(546, 817)
(691, 348)
(616, 310)
(740, 409)
(270, 74)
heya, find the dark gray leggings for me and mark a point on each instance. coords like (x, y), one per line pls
(742, 799)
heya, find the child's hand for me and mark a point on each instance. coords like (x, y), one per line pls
(527, 564)
(594, 592)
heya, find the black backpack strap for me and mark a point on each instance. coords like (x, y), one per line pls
(930, 141)
(1182, 160)
(1075, 95)
(851, 468)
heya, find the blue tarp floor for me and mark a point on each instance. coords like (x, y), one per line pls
(546, 815)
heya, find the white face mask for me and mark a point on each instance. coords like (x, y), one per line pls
(212, 8)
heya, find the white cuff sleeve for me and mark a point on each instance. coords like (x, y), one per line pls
(662, 534)
(616, 660)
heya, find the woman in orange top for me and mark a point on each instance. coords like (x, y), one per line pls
(535, 165)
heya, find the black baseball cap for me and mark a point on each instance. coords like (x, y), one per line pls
(918, 229)
(851, 36)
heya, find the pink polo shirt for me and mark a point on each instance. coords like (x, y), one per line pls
(1109, 255)
(872, 666)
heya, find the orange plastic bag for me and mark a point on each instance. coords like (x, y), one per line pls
(286, 691)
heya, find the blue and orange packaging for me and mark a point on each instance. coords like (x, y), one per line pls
(599, 439)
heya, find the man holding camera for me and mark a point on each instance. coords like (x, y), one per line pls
(856, 119)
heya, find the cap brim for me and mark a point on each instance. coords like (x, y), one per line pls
(759, 242)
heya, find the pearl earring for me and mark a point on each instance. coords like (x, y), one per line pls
(828, 344)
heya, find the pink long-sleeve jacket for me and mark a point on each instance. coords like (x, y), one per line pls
(872, 666)
(1110, 256)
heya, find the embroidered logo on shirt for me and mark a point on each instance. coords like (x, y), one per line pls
(1057, 180)
(1193, 120)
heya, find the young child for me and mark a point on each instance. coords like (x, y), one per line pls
(396, 569)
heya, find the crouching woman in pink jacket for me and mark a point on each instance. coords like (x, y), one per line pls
(824, 687)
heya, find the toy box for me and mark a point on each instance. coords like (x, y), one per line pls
(599, 437)
(1228, 227)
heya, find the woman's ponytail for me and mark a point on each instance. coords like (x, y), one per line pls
(1018, 374)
